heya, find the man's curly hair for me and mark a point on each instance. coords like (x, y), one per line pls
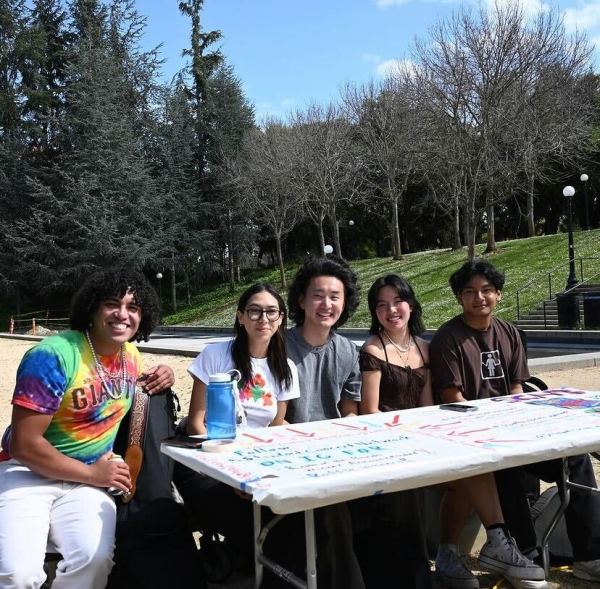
(115, 282)
(330, 266)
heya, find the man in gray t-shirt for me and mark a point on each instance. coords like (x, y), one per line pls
(327, 374)
(322, 297)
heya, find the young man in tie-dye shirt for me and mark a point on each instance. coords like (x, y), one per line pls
(72, 391)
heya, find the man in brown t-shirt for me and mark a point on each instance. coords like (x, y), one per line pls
(476, 356)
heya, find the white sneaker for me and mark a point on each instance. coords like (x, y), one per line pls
(452, 572)
(588, 570)
(503, 556)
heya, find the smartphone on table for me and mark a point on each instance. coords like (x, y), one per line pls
(185, 441)
(458, 407)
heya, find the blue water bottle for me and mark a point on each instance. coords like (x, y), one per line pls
(220, 407)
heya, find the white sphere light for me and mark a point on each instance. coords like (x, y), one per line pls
(568, 191)
(351, 223)
(584, 177)
(328, 249)
(159, 275)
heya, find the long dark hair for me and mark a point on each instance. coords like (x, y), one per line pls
(276, 352)
(406, 293)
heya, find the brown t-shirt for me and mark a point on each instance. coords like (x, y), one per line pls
(400, 386)
(480, 364)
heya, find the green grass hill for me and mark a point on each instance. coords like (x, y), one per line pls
(525, 262)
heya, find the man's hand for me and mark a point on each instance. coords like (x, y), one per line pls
(157, 379)
(110, 473)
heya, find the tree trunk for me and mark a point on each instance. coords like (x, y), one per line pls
(321, 236)
(231, 262)
(530, 213)
(230, 268)
(457, 243)
(491, 230)
(173, 284)
(336, 236)
(280, 261)
(471, 231)
(188, 288)
(396, 245)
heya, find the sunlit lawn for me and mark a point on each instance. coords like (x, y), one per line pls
(525, 262)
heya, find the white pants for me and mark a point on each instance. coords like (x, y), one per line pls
(76, 520)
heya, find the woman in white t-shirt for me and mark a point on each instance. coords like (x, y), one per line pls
(269, 378)
(268, 381)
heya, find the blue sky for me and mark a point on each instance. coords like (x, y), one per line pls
(290, 52)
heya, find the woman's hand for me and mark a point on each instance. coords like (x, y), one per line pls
(110, 473)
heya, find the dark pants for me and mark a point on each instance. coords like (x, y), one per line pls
(337, 565)
(215, 508)
(582, 516)
(389, 540)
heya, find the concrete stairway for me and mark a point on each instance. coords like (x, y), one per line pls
(545, 316)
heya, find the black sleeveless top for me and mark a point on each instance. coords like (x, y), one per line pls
(400, 386)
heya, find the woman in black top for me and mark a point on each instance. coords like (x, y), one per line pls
(394, 363)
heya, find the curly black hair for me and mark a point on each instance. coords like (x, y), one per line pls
(115, 282)
(406, 293)
(330, 266)
(475, 267)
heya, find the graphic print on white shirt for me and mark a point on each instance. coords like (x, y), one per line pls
(491, 366)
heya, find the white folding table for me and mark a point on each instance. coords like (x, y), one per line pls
(301, 467)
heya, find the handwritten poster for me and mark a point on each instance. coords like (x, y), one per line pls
(302, 466)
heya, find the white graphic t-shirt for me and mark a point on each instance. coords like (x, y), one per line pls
(260, 396)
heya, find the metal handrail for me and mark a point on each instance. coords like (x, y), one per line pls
(548, 275)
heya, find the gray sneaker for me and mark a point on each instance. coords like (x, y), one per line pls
(505, 558)
(452, 572)
(588, 570)
(526, 584)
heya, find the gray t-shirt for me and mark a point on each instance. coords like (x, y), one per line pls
(325, 373)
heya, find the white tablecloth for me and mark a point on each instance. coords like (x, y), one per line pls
(297, 467)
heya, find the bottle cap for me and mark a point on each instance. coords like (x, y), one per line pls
(220, 377)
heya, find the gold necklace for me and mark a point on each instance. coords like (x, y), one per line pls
(402, 352)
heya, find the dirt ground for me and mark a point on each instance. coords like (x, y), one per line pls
(11, 352)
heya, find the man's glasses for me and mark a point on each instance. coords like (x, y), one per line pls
(255, 313)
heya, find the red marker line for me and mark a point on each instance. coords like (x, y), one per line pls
(394, 422)
(351, 426)
(300, 433)
(258, 439)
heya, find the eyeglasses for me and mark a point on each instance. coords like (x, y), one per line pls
(256, 313)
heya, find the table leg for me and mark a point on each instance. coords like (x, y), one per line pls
(311, 549)
(563, 492)
(258, 567)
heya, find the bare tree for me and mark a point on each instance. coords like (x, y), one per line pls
(386, 131)
(326, 166)
(477, 81)
(266, 185)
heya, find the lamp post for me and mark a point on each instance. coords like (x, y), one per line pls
(568, 193)
(159, 278)
(584, 178)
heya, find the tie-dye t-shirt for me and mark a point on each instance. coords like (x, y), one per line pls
(259, 397)
(58, 377)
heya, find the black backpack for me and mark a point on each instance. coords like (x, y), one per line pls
(154, 543)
